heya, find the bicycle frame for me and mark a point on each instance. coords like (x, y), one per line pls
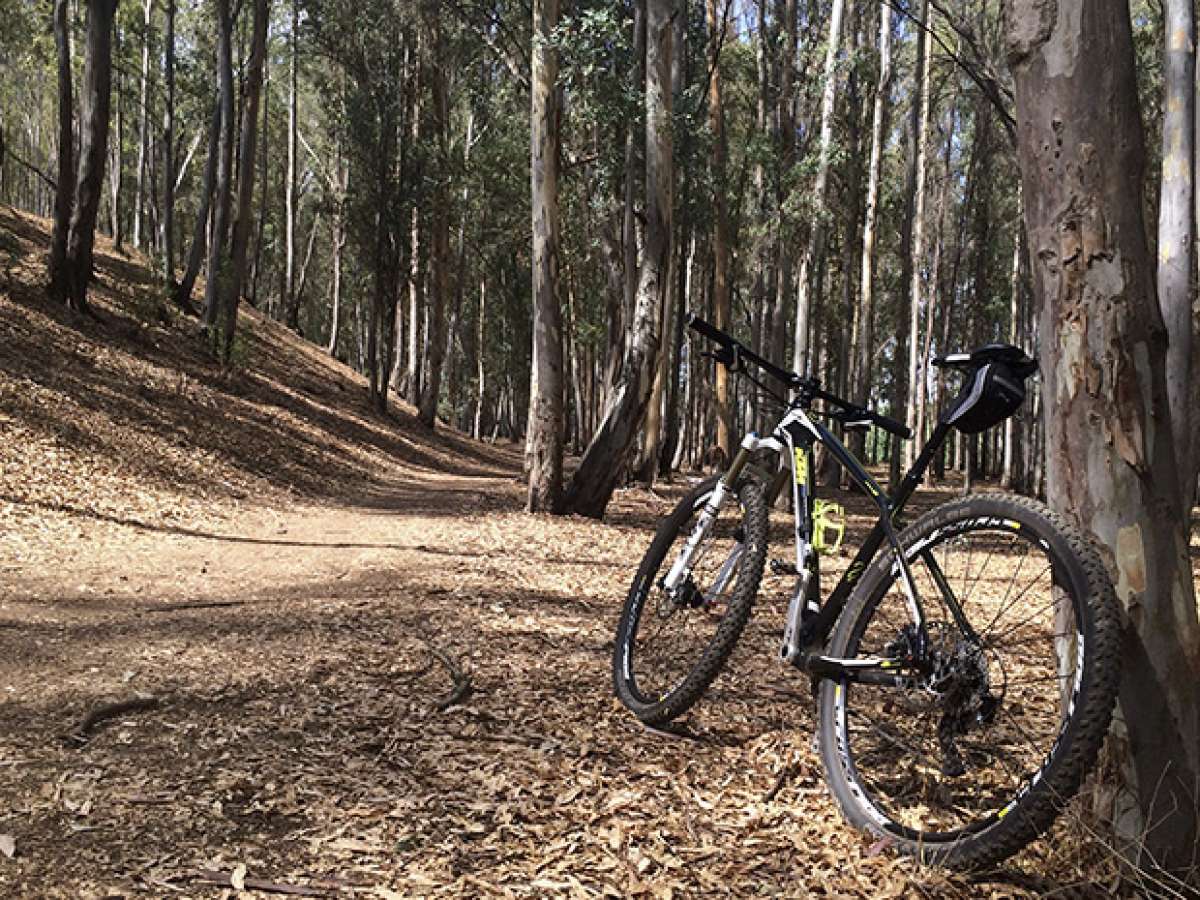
(809, 622)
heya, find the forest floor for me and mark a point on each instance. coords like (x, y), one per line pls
(333, 657)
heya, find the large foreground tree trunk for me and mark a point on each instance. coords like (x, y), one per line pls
(608, 453)
(1112, 464)
(543, 440)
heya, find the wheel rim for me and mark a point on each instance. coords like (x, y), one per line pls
(669, 635)
(1004, 703)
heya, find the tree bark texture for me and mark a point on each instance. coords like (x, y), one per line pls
(223, 189)
(168, 148)
(543, 440)
(722, 301)
(247, 151)
(64, 189)
(439, 249)
(95, 101)
(1176, 231)
(1112, 464)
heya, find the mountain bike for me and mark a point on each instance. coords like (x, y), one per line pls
(965, 666)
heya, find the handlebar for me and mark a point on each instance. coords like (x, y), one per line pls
(733, 354)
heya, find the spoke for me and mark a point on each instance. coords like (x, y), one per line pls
(1015, 600)
(1023, 622)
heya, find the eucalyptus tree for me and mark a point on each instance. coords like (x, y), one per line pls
(71, 271)
(1113, 464)
(609, 451)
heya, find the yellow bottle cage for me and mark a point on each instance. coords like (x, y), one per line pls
(828, 517)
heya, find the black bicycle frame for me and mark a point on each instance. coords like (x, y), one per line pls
(815, 628)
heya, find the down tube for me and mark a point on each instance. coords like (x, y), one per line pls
(818, 627)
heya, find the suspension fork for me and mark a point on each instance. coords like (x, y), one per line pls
(688, 556)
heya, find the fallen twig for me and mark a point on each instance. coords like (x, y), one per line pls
(780, 780)
(80, 734)
(462, 681)
(225, 879)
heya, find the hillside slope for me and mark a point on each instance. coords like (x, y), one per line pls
(128, 418)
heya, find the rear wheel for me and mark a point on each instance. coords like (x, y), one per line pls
(993, 730)
(670, 646)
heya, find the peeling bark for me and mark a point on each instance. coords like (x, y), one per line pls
(1112, 462)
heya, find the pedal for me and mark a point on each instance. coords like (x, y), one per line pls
(779, 567)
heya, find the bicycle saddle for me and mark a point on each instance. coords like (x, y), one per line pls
(1014, 358)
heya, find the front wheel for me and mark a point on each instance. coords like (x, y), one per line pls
(670, 645)
(972, 752)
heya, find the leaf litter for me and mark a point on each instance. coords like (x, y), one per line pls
(373, 675)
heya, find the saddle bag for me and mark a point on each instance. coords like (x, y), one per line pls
(993, 394)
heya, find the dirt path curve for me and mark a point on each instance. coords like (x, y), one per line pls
(297, 666)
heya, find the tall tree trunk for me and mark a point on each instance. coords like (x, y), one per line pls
(916, 377)
(95, 101)
(480, 362)
(114, 171)
(183, 294)
(866, 303)
(64, 189)
(439, 249)
(1009, 477)
(900, 386)
(139, 195)
(291, 305)
(341, 185)
(223, 189)
(168, 147)
(609, 450)
(722, 308)
(1112, 463)
(1176, 232)
(247, 153)
(543, 440)
(815, 245)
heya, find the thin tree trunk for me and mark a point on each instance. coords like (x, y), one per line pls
(916, 377)
(900, 386)
(183, 294)
(866, 308)
(139, 195)
(608, 453)
(114, 172)
(439, 259)
(290, 304)
(480, 361)
(816, 235)
(168, 140)
(722, 309)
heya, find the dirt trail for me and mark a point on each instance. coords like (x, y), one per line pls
(298, 666)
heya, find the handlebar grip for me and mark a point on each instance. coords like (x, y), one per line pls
(709, 331)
